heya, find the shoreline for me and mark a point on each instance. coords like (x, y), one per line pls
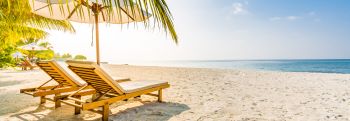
(295, 65)
(199, 94)
(232, 69)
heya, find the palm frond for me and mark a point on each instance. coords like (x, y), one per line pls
(17, 22)
(42, 22)
(158, 8)
(161, 14)
(16, 33)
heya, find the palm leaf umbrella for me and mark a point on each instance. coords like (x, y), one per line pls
(17, 55)
(31, 48)
(94, 11)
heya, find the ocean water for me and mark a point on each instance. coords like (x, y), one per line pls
(319, 66)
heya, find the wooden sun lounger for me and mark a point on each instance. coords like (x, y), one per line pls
(108, 90)
(27, 63)
(66, 83)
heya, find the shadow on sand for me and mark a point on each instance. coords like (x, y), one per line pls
(150, 111)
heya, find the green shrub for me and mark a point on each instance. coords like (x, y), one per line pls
(80, 57)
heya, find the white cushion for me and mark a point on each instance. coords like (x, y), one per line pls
(133, 86)
(126, 86)
(116, 78)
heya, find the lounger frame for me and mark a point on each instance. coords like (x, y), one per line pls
(97, 79)
(29, 64)
(65, 84)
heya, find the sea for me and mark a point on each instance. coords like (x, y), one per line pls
(341, 66)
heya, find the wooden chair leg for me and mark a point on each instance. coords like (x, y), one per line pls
(57, 102)
(105, 112)
(160, 95)
(77, 109)
(42, 100)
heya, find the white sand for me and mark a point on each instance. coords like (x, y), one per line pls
(199, 94)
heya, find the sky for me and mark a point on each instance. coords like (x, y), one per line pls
(225, 29)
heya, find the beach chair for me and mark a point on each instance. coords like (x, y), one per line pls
(66, 83)
(26, 63)
(108, 90)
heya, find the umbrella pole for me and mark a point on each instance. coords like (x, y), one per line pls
(32, 54)
(97, 39)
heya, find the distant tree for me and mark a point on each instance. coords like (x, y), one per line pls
(42, 54)
(80, 57)
(66, 56)
(46, 45)
(57, 56)
(45, 54)
(6, 59)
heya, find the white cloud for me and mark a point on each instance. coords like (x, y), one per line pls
(238, 8)
(292, 18)
(289, 18)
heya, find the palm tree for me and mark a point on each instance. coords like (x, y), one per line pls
(17, 23)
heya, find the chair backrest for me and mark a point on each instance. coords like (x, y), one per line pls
(95, 76)
(58, 73)
(28, 63)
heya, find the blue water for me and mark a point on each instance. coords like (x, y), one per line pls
(319, 66)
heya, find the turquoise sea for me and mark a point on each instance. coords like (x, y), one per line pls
(314, 65)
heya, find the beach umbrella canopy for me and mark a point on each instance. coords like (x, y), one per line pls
(32, 46)
(90, 11)
(17, 55)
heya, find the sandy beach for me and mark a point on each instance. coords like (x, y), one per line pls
(197, 94)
